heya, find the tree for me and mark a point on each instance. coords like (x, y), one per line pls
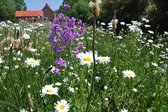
(7, 10)
(19, 4)
(160, 16)
(127, 10)
(79, 9)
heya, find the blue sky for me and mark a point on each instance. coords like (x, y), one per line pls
(39, 4)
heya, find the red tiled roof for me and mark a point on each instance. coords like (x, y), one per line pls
(28, 13)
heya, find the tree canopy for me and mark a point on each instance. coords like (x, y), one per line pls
(79, 9)
(7, 10)
(19, 4)
(127, 10)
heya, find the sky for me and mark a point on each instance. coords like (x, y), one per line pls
(39, 4)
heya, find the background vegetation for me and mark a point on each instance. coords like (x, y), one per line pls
(134, 49)
(127, 10)
(8, 8)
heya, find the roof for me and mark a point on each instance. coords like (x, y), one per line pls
(47, 7)
(28, 13)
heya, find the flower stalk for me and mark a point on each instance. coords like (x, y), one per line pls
(96, 12)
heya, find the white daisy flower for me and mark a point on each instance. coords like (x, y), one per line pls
(150, 31)
(102, 24)
(154, 64)
(129, 74)
(23, 110)
(1, 60)
(6, 67)
(103, 59)
(32, 50)
(71, 89)
(106, 99)
(26, 36)
(49, 90)
(119, 37)
(114, 68)
(16, 66)
(58, 84)
(165, 32)
(97, 78)
(124, 110)
(147, 26)
(105, 87)
(62, 106)
(145, 20)
(150, 41)
(32, 62)
(135, 90)
(122, 23)
(86, 58)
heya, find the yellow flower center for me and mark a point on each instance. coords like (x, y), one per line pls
(32, 62)
(129, 74)
(49, 91)
(88, 59)
(104, 59)
(62, 107)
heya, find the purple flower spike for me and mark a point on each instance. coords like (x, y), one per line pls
(66, 6)
(61, 63)
(57, 71)
(79, 22)
(64, 31)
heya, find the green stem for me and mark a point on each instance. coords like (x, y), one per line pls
(11, 76)
(42, 84)
(94, 67)
(24, 82)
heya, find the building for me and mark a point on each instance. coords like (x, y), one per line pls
(48, 13)
(29, 16)
(35, 16)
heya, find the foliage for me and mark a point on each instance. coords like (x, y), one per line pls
(19, 4)
(7, 10)
(160, 16)
(127, 10)
(79, 9)
(21, 85)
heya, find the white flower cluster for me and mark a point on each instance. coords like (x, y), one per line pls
(87, 58)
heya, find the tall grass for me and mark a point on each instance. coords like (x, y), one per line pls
(111, 92)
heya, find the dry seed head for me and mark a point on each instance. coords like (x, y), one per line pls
(17, 43)
(30, 101)
(96, 9)
(8, 40)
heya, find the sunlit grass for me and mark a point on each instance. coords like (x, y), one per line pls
(21, 84)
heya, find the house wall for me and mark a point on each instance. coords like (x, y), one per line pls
(48, 13)
(29, 19)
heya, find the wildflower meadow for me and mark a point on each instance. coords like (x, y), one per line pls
(68, 66)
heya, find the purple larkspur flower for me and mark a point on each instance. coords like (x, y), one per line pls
(61, 62)
(71, 22)
(65, 30)
(59, 49)
(78, 48)
(57, 71)
(65, 6)
(79, 22)
(81, 31)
